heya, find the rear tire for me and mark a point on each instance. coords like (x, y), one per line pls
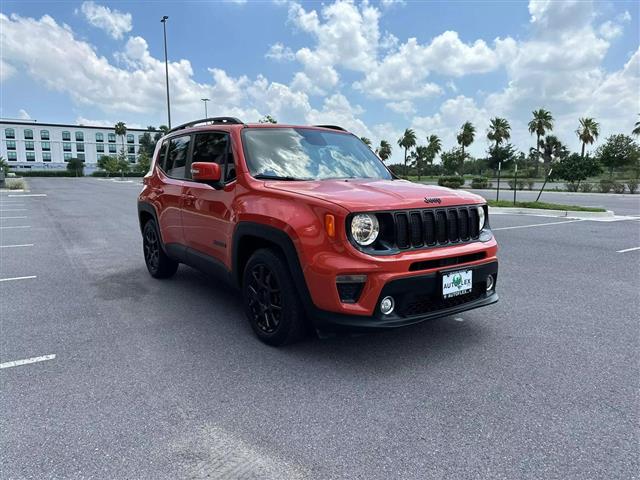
(271, 300)
(158, 263)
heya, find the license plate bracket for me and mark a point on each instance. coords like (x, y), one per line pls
(456, 283)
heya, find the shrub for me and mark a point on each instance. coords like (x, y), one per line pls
(632, 185)
(479, 182)
(100, 173)
(76, 167)
(46, 173)
(618, 187)
(605, 185)
(571, 186)
(530, 184)
(519, 185)
(14, 183)
(451, 182)
(586, 187)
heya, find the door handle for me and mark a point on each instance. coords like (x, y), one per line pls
(189, 199)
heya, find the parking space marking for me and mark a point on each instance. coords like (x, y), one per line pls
(16, 246)
(13, 209)
(628, 250)
(17, 278)
(17, 226)
(27, 361)
(29, 195)
(535, 225)
(10, 218)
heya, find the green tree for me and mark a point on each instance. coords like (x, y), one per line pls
(452, 161)
(147, 144)
(4, 165)
(499, 131)
(366, 141)
(108, 163)
(552, 150)
(421, 157)
(434, 147)
(574, 169)
(588, 132)
(466, 135)
(636, 129)
(267, 119)
(384, 150)
(121, 130)
(618, 151)
(76, 166)
(122, 163)
(541, 123)
(144, 163)
(407, 141)
(501, 154)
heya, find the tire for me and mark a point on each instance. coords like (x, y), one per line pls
(271, 301)
(158, 263)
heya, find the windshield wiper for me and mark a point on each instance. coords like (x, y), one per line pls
(264, 176)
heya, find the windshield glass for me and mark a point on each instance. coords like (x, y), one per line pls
(309, 154)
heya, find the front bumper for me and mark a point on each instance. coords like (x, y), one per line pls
(418, 298)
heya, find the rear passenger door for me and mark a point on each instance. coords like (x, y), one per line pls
(173, 163)
(206, 212)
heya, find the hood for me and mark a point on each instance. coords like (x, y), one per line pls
(363, 195)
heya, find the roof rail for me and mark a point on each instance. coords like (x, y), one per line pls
(212, 120)
(332, 127)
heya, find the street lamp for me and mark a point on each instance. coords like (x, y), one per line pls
(166, 66)
(205, 100)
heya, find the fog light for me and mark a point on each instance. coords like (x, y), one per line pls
(489, 282)
(386, 305)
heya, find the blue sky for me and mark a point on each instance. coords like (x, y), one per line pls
(373, 67)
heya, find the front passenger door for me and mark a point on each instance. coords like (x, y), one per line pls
(206, 209)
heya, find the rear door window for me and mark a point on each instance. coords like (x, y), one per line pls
(176, 161)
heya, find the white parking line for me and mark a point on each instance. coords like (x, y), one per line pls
(17, 226)
(29, 195)
(17, 278)
(13, 209)
(535, 225)
(3, 218)
(16, 246)
(27, 361)
(628, 250)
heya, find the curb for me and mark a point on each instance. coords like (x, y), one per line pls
(551, 213)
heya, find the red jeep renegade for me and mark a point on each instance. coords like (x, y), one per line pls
(313, 228)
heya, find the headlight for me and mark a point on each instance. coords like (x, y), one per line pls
(481, 218)
(365, 228)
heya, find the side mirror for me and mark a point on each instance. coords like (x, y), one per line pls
(206, 172)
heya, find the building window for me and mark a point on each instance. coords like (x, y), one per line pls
(100, 148)
(66, 136)
(28, 134)
(44, 134)
(131, 149)
(79, 136)
(132, 159)
(80, 156)
(9, 133)
(112, 137)
(112, 149)
(11, 144)
(12, 156)
(140, 138)
(29, 145)
(79, 147)
(99, 137)
(66, 146)
(46, 156)
(31, 156)
(67, 157)
(46, 146)
(130, 138)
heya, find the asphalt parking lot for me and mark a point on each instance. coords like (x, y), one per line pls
(164, 379)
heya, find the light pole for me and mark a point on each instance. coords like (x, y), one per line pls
(205, 100)
(166, 66)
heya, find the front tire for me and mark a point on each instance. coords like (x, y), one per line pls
(271, 300)
(158, 263)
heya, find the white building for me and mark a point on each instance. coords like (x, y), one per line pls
(42, 146)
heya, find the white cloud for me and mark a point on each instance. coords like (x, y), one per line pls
(23, 114)
(392, 3)
(610, 30)
(6, 70)
(114, 22)
(405, 107)
(624, 17)
(337, 110)
(280, 53)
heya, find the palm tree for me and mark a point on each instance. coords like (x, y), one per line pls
(407, 141)
(636, 129)
(541, 122)
(552, 149)
(588, 132)
(384, 150)
(466, 135)
(366, 141)
(499, 130)
(434, 146)
(121, 129)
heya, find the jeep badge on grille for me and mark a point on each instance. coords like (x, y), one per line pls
(432, 200)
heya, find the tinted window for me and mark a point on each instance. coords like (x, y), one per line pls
(162, 155)
(213, 147)
(177, 157)
(307, 154)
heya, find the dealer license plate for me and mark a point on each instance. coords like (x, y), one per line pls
(457, 283)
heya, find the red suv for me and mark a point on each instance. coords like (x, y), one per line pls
(313, 228)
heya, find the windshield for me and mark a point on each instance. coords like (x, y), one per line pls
(309, 154)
